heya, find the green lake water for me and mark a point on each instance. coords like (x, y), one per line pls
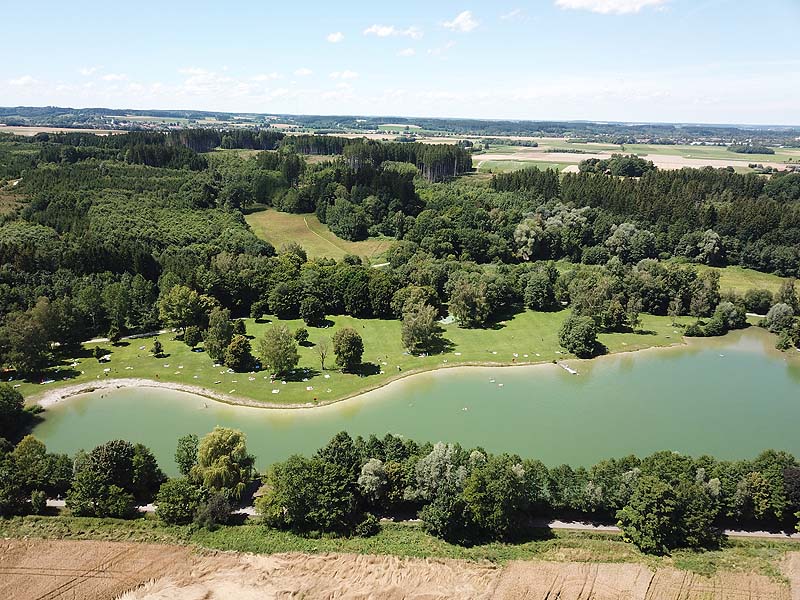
(731, 398)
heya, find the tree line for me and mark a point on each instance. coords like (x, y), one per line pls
(466, 496)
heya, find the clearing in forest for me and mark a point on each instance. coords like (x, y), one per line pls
(280, 228)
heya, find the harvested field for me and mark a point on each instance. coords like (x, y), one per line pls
(61, 569)
(49, 570)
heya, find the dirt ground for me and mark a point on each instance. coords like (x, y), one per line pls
(50, 570)
(61, 569)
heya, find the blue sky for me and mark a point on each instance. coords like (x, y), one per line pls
(714, 61)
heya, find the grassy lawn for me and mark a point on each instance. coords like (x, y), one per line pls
(739, 279)
(407, 540)
(534, 334)
(281, 228)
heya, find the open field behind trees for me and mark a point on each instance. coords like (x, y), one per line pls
(738, 279)
(280, 228)
(527, 332)
(401, 561)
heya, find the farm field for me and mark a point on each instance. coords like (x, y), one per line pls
(507, 157)
(384, 358)
(280, 228)
(401, 561)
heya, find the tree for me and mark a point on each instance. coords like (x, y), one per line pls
(779, 318)
(579, 336)
(348, 348)
(223, 464)
(649, 519)
(26, 342)
(238, 354)
(341, 450)
(787, 294)
(540, 292)
(312, 310)
(468, 303)
(157, 349)
(494, 495)
(178, 501)
(322, 348)
(186, 453)
(180, 307)
(421, 329)
(219, 334)
(13, 416)
(192, 336)
(372, 481)
(277, 348)
(239, 327)
(308, 494)
(301, 335)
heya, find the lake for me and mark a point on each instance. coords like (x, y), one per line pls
(729, 397)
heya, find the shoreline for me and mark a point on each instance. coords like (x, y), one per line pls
(58, 395)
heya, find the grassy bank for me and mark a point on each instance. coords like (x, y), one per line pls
(407, 540)
(531, 336)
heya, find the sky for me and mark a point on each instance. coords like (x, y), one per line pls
(695, 61)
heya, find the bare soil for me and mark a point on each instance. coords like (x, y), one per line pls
(49, 570)
(61, 569)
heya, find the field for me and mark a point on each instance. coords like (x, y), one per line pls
(402, 561)
(739, 279)
(534, 334)
(502, 158)
(38, 570)
(281, 228)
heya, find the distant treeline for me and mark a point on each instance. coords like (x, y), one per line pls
(750, 149)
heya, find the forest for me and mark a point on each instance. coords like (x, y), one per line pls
(103, 243)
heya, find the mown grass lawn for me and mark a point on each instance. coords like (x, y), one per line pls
(534, 334)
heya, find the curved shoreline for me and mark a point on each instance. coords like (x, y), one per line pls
(61, 394)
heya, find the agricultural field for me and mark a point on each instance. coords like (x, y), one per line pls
(507, 157)
(280, 228)
(401, 561)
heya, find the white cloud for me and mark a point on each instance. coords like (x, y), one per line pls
(407, 52)
(266, 76)
(23, 81)
(343, 75)
(303, 72)
(335, 37)
(115, 77)
(608, 7)
(464, 22)
(86, 71)
(512, 15)
(413, 32)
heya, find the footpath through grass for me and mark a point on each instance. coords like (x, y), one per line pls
(407, 540)
(531, 336)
